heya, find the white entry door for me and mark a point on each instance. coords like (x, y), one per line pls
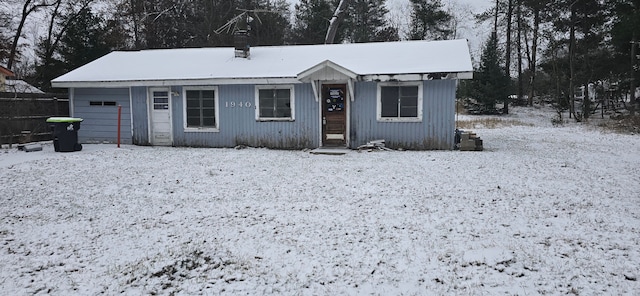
(160, 123)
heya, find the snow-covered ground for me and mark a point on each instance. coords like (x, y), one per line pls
(543, 210)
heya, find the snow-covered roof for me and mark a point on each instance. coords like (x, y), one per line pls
(269, 64)
(21, 86)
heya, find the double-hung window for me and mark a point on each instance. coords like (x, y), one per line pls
(201, 108)
(275, 103)
(400, 102)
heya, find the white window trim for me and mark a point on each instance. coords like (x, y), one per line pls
(292, 102)
(216, 104)
(419, 84)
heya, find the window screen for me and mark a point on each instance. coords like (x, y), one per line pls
(275, 103)
(201, 108)
(399, 101)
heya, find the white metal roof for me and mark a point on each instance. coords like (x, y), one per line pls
(270, 64)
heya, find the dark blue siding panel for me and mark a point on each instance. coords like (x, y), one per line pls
(238, 125)
(100, 123)
(434, 132)
(140, 116)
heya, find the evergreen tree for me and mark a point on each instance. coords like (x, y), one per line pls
(271, 26)
(86, 37)
(366, 22)
(626, 41)
(585, 22)
(84, 40)
(490, 82)
(311, 21)
(429, 21)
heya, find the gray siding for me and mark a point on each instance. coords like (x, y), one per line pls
(100, 123)
(140, 115)
(434, 132)
(238, 126)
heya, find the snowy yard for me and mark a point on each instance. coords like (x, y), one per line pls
(543, 210)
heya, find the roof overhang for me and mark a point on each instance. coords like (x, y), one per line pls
(416, 77)
(174, 82)
(318, 71)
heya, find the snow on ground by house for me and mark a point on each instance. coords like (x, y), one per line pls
(542, 210)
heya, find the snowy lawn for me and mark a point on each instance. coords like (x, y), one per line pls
(542, 210)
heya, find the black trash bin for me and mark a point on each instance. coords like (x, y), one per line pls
(65, 133)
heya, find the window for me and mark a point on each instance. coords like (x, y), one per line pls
(102, 103)
(201, 112)
(274, 103)
(400, 102)
(160, 100)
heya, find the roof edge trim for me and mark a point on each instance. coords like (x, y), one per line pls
(177, 82)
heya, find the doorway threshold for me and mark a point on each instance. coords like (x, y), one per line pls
(330, 150)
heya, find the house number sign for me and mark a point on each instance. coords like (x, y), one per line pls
(240, 104)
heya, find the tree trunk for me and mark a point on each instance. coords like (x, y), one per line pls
(335, 21)
(507, 66)
(14, 46)
(520, 83)
(534, 51)
(135, 13)
(572, 40)
(495, 19)
(632, 89)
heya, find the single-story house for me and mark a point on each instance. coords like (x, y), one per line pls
(288, 97)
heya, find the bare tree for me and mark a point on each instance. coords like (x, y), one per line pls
(28, 8)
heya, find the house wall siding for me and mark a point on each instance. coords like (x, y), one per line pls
(100, 123)
(436, 130)
(140, 116)
(238, 124)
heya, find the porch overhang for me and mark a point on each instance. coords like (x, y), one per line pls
(326, 70)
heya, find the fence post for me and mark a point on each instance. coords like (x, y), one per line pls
(119, 118)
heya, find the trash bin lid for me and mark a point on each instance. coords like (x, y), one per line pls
(64, 119)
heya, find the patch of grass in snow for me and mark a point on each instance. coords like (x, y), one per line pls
(489, 122)
(177, 272)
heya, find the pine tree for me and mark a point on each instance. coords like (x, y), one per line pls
(271, 26)
(490, 82)
(87, 36)
(366, 22)
(626, 41)
(311, 21)
(429, 21)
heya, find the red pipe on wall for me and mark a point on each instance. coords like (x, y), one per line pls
(119, 118)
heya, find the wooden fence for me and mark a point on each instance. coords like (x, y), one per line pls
(23, 116)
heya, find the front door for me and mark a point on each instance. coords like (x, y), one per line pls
(334, 115)
(160, 102)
